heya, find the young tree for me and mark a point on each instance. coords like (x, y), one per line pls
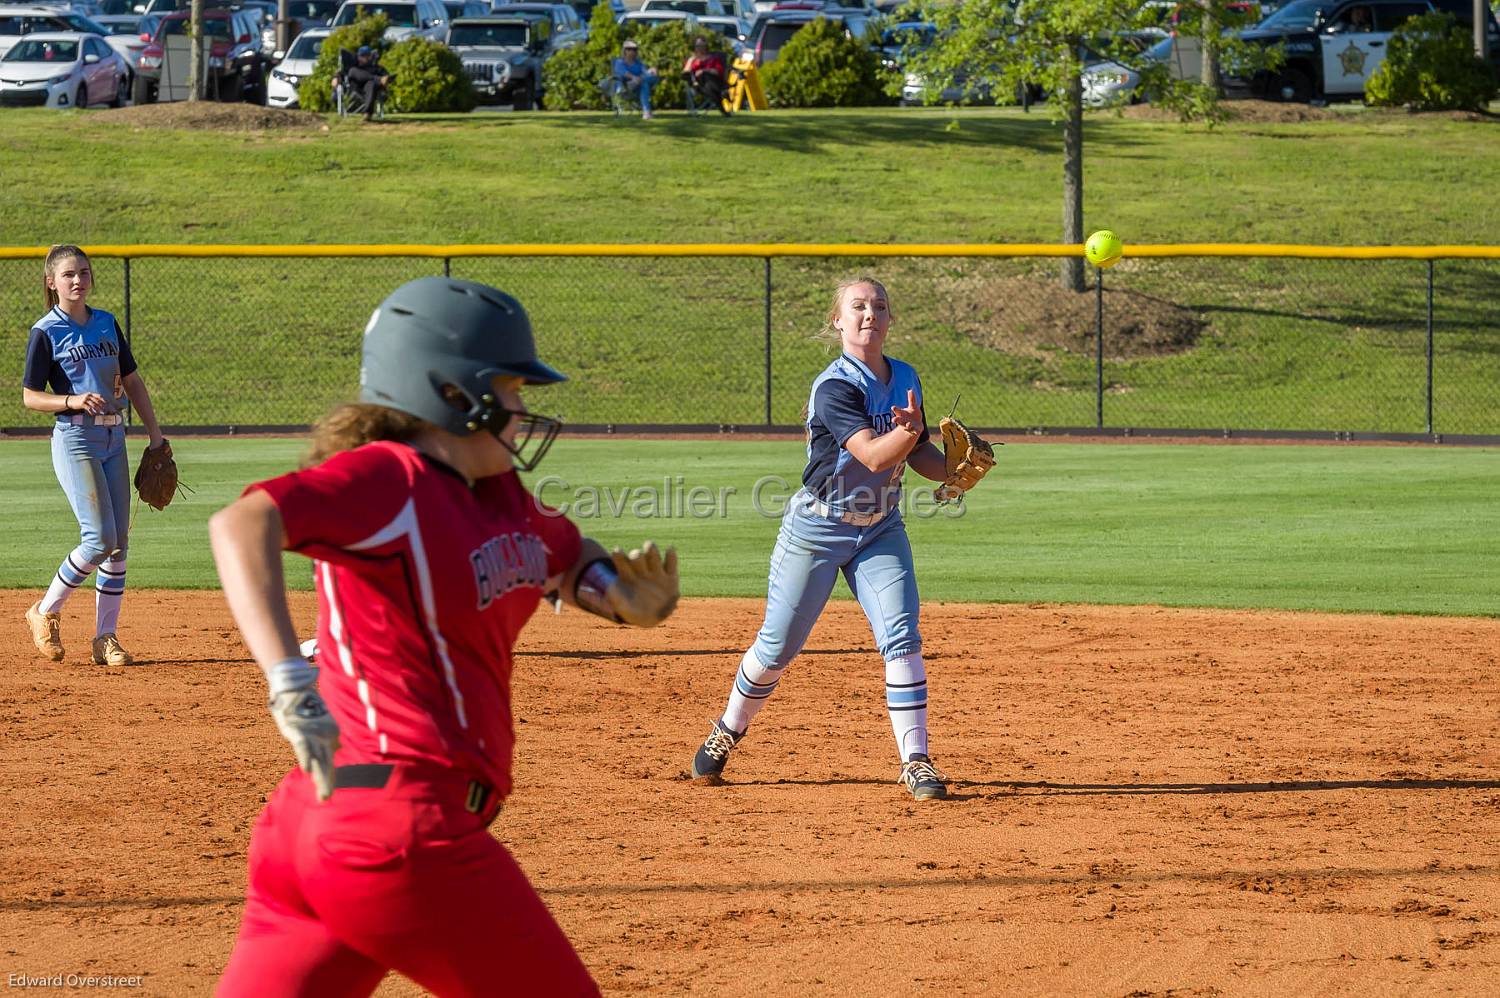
(1012, 50)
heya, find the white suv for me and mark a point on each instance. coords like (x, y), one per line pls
(428, 18)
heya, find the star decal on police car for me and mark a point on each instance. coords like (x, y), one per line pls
(1352, 60)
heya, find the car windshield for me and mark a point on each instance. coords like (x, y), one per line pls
(306, 48)
(37, 50)
(687, 6)
(1295, 16)
(507, 35)
(217, 27)
(80, 23)
(312, 10)
(401, 15)
(129, 27)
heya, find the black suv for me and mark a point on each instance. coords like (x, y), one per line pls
(503, 56)
(1333, 46)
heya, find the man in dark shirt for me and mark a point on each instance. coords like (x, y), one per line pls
(368, 77)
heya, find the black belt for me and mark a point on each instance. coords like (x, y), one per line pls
(375, 775)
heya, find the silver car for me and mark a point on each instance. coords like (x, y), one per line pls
(288, 74)
(428, 18)
(63, 69)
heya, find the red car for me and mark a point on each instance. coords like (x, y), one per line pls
(236, 68)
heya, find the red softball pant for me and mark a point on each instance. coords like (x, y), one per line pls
(398, 878)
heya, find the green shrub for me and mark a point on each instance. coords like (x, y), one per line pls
(427, 76)
(315, 93)
(1430, 65)
(821, 66)
(572, 76)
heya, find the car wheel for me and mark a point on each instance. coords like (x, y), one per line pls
(231, 88)
(81, 99)
(1293, 86)
(524, 98)
(140, 91)
(122, 87)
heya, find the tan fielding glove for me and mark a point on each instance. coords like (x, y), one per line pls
(156, 476)
(646, 592)
(968, 458)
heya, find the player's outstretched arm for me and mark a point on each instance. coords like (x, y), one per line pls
(247, 539)
(927, 461)
(639, 588)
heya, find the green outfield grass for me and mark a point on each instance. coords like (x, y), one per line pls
(1290, 344)
(1339, 528)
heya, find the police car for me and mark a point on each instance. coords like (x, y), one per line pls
(1332, 47)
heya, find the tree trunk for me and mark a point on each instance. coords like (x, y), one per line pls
(1072, 266)
(1209, 74)
(283, 26)
(195, 55)
(1481, 24)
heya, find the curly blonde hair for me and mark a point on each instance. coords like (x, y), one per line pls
(355, 424)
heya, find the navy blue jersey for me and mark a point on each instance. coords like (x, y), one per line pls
(847, 398)
(71, 359)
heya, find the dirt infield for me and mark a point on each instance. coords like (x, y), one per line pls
(1148, 801)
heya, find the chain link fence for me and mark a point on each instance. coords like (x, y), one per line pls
(1250, 344)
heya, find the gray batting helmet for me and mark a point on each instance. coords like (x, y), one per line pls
(433, 347)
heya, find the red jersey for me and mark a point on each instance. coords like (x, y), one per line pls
(423, 585)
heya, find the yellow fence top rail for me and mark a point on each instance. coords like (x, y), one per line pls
(777, 250)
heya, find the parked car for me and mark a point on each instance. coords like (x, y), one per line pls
(62, 69)
(465, 8)
(700, 8)
(1332, 49)
(125, 34)
(503, 56)
(427, 18)
(774, 28)
(734, 31)
(567, 29)
(234, 59)
(19, 20)
(585, 9)
(643, 19)
(296, 65)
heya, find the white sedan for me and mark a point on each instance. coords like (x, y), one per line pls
(281, 89)
(63, 69)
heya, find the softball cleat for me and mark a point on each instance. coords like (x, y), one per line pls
(923, 779)
(708, 764)
(107, 651)
(46, 631)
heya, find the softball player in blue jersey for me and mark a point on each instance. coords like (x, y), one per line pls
(79, 368)
(865, 425)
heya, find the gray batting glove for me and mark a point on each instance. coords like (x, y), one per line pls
(303, 719)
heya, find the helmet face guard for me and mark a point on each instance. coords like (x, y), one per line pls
(534, 433)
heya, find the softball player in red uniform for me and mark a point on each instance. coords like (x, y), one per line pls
(429, 557)
(80, 354)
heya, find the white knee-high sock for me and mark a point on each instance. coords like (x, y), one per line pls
(753, 685)
(906, 699)
(72, 573)
(109, 590)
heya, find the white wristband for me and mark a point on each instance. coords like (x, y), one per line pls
(291, 674)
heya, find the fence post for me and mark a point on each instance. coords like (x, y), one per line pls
(446, 270)
(1429, 345)
(130, 411)
(768, 341)
(1099, 347)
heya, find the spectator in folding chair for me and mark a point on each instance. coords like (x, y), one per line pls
(361, 83)
(705, 75)
(633, 79)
